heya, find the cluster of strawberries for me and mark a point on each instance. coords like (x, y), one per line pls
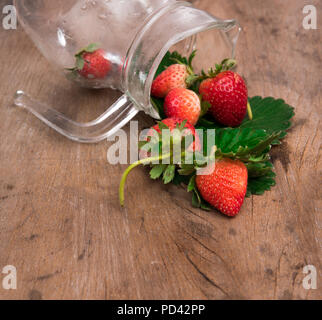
(224, 90)
(222, 94)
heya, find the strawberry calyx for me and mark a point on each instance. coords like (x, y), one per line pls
(187, 63)
(162, 153)
(225, 65)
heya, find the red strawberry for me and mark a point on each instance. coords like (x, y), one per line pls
(96, 65)
(227, 94)
(183, 104)
(173, 77)
(225, 186)
(171, 123)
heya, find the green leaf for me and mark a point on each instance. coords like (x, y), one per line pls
(181, 179)
(157, 171)
(169, 174)
(199, 202)
(205, 106)
(92, 47)
(245, 144)
(272, 115)
(192, 56)
(258, 186)
(192, 184)
(182, 125)
(207, 122)
(256, 170)
(80, 62)
(162, 126)
(187, 169)
(205, 205)
(158, 106)
(196, 201)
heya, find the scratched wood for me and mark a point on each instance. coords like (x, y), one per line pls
(60, 222)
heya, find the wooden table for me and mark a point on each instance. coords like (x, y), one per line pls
(61, 225)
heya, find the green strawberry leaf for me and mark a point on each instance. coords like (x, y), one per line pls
(272, 115)
(187, 169)
(157, 171)
(90, 49)
(162, 126)
(169, 174)
(157, 104)
(192, 184)
(245, 144)
(258, 186)
(181, 179)
(256, 170)
(190, 59)
(205, 106)
(80, 63)
(197, 200)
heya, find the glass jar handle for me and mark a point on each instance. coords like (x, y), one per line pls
(114, 118)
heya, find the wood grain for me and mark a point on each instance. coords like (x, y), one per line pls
(60, 221)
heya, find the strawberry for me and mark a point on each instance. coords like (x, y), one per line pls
(172, 123)
(225, 186)
(183, 104)
(96, 66)
(173, 77)
(227, 95)
(91, 63)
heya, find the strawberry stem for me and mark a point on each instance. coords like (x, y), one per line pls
(134, 165)
(249, 111)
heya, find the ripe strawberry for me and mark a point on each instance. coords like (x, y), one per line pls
(171, 123)
(96, 66)
(91, 63)
(183, 104)
(173, 77)
(225, 187)
(227, 94)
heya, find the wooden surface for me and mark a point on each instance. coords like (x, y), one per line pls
(60, 222)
